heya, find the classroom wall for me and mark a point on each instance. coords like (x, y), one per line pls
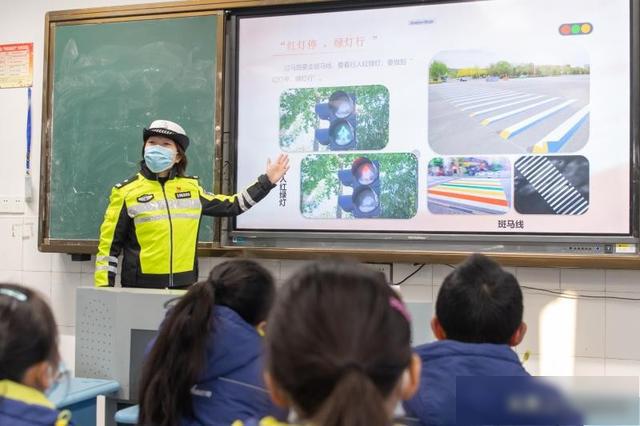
(566, 336)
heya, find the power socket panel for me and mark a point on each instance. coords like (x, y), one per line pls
(12, 205)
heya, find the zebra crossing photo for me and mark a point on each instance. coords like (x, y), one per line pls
(507, 108)
(557, 185)
(469, 185)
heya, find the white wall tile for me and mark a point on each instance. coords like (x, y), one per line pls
(416, 293)
(617, 368)
(440, 272)
(622, 280)
(39, 281)
(90, 265)
(204, 267)
(590, 326)
(61, 262)
(32, 259)
(213, 261)
(67, 347)
(434, 292)
(511, 269)
(11, 277)
(271, 265)
(290, 267)
(546, 278)
(566, 366)
(623, 328)
(401, 271)
(582, 279)
(534, 304)
(63, 297)
(11, 243)
(87, 280)
(586, 366)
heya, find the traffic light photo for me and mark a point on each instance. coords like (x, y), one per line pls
(334, 119)
(469, 185)
(359, 186)
(510, 101)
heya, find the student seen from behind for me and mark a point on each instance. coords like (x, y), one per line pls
(478, 320)
(29, 359)
(205, 367)
(338, 348)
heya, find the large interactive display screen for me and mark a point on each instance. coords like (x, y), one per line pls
(497, 116)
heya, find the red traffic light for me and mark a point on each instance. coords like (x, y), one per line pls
(365, 171)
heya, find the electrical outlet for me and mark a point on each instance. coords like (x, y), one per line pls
(18, 205)
(385, 268)
(11, 205)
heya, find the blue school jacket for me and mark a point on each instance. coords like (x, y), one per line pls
(231, 387)
(21, 405)
(444, 360)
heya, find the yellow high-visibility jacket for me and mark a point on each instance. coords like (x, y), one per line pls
(155, 226)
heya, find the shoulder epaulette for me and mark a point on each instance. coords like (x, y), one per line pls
(126, 181)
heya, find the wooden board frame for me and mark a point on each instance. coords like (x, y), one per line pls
(110, 15)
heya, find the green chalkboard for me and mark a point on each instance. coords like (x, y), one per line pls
(109, 81)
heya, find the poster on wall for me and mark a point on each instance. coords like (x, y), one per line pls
(16, 65)
(496, 116)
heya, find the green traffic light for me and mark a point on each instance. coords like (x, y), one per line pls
(575, 29)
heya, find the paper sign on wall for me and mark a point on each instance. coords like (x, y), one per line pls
(16, 65)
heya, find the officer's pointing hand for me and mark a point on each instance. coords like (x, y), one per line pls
(277, 169)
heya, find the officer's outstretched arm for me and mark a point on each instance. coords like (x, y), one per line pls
(233, 205)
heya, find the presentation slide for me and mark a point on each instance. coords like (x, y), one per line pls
(498, 116)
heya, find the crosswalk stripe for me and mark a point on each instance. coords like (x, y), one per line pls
(556, 139)
(498, 117)
(487, 98)
(470, 197)
(484, 111)
(476, 95)
(519, 127)
(494, 101)
(554, 188)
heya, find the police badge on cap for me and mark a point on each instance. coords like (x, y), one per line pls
(167, 129)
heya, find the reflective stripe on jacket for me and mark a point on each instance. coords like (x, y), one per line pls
(21, 405)
(155, 225)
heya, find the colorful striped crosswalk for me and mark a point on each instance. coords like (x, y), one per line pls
(477, 195)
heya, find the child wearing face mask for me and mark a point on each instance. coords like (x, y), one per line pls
(29, 359)
(153, 217)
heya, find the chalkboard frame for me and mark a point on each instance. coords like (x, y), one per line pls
(111, 15)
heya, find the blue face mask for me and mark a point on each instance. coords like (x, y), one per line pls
(60, 384)
(158, 159)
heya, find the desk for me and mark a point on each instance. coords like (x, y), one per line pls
(113, 327)
(128, 416)
(79, 397)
